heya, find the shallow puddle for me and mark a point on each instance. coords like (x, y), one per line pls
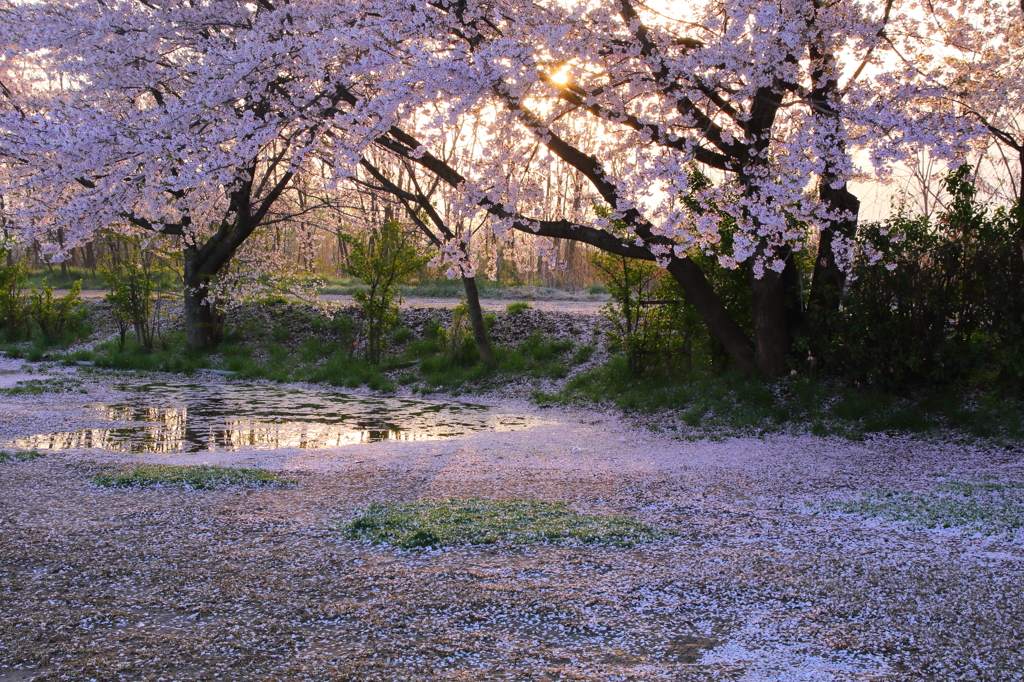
(170, 418)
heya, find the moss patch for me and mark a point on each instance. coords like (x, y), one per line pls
(201, 477)
(475, 521)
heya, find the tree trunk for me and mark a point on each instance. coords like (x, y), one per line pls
(771, 331)
(90, 257)
(792, 284)
(202, 328)
(828, 279)
(476, 319)
(716, 317)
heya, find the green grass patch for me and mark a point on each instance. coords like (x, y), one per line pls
(44, 347)
(727, 404)
(59, 279)
(172, 355)
(984, 506)
(537, 357)
(199, 477)
(18, 455)
(40, 386)
(475, 521)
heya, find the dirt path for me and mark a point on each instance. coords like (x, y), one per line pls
(254, 584)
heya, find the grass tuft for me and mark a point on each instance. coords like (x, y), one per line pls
(984, 506)
(475, 521)
(199, 477)
(517, 307)
(18, 456)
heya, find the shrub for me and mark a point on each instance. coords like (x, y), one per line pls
(517, 307)
(628, 281)
(131, 301)
(13, 299)
(383, 259)
(458, 337)
(55, 317)
(929, 302)
(34, 312)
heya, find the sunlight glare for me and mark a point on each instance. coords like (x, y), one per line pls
(561, 76)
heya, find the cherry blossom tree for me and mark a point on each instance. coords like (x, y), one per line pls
(183, 118)
(630, 97)
(973, 53)
(195, 118)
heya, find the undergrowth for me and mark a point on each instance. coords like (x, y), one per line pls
(475, 521)
(325, 353)
(701, 403)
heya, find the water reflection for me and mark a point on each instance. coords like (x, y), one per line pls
(169, 418)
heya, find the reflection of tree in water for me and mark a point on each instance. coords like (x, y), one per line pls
(166, 418)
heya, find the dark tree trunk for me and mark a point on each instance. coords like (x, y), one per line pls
(716, 317)
(828, 279)
(202, 326)
(63, 263)
(90, 257)
(771, 330)
(476, 319)
(792, 282)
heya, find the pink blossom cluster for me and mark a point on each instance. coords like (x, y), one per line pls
(529, 114)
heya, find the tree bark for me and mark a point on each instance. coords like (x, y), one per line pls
(771, 331)
(720, 323)
(828, 279)
(476, 319)
(202, 326)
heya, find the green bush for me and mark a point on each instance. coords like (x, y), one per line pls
(382, 259)
(131, 302)
(14, 311)
(629, 281)
(56, 317)
(458, 337)
(936, 302)
(34, 313)
(517, 307)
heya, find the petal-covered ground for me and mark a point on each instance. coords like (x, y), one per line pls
(760, 579)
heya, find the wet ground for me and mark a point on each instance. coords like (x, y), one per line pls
(179, 416)
(758, 582)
